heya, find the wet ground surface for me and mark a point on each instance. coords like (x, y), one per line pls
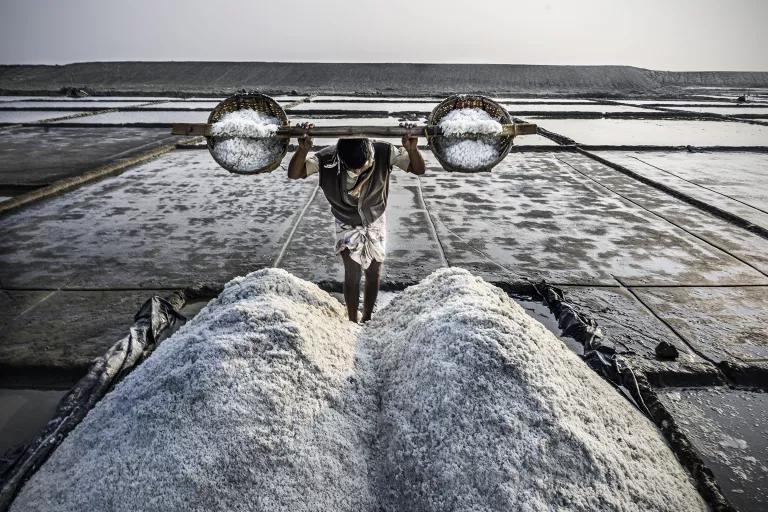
(721, 323)
(62, 331)
(24, 116)
(652, 132)
(735, 182)
(730, 429)
(646, 264)
(23, 413)
(40, 156)
(175, 221)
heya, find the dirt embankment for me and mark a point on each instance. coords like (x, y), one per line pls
(330, 78)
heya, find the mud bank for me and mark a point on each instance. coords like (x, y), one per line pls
(339, 78)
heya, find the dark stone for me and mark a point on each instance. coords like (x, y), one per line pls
(666, 351)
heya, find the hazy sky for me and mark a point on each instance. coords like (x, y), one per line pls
(656, 34)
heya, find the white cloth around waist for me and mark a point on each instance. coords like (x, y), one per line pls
(365, 243)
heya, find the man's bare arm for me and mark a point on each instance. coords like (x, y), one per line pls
(297, 168)
(417, 165)
(411, 145)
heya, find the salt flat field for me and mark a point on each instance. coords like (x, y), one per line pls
(70, 104)
(148, 116)
(666, 132)
(728, 111)
(22, 116)
(667, 243)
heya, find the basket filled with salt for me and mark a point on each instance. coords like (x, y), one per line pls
(242, 129)
(471, 138)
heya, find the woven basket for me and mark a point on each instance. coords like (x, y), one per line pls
(254, 101)
(437, 144)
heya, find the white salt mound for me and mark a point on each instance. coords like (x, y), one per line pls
(482, 408)
(245, 123)
(235, 150)
(469, 154)
(261, 402)
(469, 121)
(451, 399)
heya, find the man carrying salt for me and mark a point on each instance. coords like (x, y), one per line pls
(354, 175)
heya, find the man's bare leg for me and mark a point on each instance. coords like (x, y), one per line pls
(372, 278)
(351, 285)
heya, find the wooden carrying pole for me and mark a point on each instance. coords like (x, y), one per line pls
(197, 129)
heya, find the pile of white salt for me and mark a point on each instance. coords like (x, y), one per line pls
(261, 402)
(469, 154)
(483, 408)
(237, 145)
(452, 398)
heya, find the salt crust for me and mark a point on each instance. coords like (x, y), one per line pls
(451, 398)
(236, 150)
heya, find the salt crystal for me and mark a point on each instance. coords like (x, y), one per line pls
(732, 442)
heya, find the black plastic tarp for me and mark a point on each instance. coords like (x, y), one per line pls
(600, 355)
(156, 320)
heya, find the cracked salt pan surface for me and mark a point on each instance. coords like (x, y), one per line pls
(377, 98)
(539, 100)
(210, 105)
(452, 398)
(91, 99)
(728, 428)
